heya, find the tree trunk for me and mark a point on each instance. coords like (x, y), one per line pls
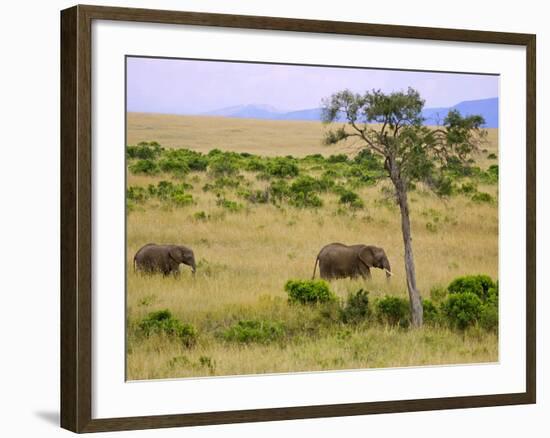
(414, 295)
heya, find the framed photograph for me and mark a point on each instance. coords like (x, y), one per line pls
(270, 218)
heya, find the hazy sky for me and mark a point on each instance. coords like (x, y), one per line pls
(194, 87)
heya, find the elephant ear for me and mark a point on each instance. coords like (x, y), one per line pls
(175, 254)
(367, 257)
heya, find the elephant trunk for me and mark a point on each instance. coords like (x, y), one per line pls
(387, 268)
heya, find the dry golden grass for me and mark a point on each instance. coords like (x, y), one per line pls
(246, 257)
(262, 137)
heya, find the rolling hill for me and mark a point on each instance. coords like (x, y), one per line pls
(488, 108)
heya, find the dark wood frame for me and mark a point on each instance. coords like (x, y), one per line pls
(76, 225)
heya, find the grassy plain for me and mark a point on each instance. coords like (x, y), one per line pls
(245, 257)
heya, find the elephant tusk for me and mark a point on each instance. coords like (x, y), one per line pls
(388, 272)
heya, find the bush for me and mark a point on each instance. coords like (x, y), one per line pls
(443, 186)
(223, 165)
(144, 151)
(393, 310)
(305, 184)
(279, 189)
(282, 167)
(259, 331)
(488, 318)
(222, 182)
(492, 157)
(314, 158)
(356, 307)
(162, 322)
(181, 161)
(181, 199)
(362, 174)
(255, 164)
(303, 192)
(339, 158)
(305, 199)
(232, 206)
(309, 291)
(136, 194)
(479, 285)
(468, 188)
(438, 294)
(201, 216)
(352, 199)
(146, 167)
(368, 160)
(489, 312)
(430, 312)
(482, 197)
(491, 175)
(172, 193)
(462, 309)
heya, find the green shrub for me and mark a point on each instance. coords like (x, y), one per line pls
(303, 192)
(308, 291)
(492, 156)
(314, 158)
(181, 199)
(438, 294)
(137, 194)
(352, 199)
(223, 165)
(282, 167)
(162, 322)
(279, 189)
(368, 160)
(181, 161)
(305, 199)
(362, 174)
(430, 312)
(462, 309)
(305, 184)
(232, 206)
(200, 216)
(338, 158)
(255, 164)
(393, 310)
(488, 318)
(482, 197)
(146, 167)
(356, 307)
(443, 186)
(144, 151)
(468, 188)
(172, 193)
(490, 176)
(476, 284)
(489, 312)
(259, 331)
(222, 182)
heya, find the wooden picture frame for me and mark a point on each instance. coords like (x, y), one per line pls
(76, 218)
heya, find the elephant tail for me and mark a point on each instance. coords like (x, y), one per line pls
(315, 267)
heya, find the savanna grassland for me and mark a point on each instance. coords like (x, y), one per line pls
(255, 222)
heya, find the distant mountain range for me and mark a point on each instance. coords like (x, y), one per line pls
(488, 108)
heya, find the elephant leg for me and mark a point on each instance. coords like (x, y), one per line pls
(174, 268)
(365, 272)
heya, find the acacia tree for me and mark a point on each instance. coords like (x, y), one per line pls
(392, 127)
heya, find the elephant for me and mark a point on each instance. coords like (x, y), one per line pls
(165, 259)
(337, 260)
